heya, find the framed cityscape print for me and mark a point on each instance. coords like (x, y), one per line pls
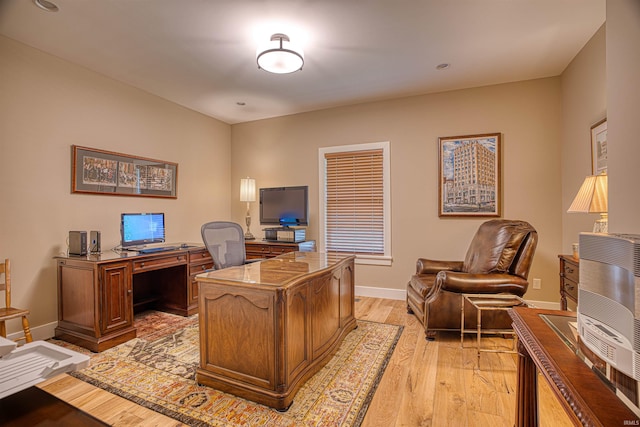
(469, 182)
(599, 148)
(105, 172)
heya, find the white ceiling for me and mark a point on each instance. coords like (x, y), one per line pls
(202, 53)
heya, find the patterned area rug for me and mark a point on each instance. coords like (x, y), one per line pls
(157, 370)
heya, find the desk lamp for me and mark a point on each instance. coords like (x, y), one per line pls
(248, 194)
(592, 198)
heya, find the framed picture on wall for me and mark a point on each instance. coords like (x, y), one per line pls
(469, 176)
(105, 172)
(599, 147)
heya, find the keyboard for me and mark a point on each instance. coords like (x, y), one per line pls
(157, 249)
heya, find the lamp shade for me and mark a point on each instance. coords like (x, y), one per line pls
(279, 56)
(247, 190)
(592, 196)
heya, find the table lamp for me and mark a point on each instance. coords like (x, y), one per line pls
(248, 194)
(592, 198)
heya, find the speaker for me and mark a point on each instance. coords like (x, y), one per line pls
(77, 243)
(94, 242)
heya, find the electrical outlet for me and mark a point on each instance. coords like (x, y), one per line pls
(537, 283)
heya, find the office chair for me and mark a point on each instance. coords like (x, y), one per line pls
(225, 242)
(7, 312)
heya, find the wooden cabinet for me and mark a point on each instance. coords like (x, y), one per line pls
(94, 303)
(99, 294)
(265, 249)
(280, 320)
(569, 279)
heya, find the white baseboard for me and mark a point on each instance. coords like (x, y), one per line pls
(547, 305)
(368, 291)
(39, 333)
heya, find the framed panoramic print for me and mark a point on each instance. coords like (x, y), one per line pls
(105, 172)
(599, 148)
(469, 176)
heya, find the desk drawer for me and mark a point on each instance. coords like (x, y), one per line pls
(148, 264)
(198, 257)
(200, 268)
(571, 272)
(570, 289)
(268, 251)
(258, 251)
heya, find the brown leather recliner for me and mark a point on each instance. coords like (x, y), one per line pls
(497, 261)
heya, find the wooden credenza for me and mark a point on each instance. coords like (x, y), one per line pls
(268, 326)
(257, 249)
(98, 294)
(569, 279)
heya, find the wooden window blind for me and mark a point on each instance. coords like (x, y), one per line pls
(354, 202)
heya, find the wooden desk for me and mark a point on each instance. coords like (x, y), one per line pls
(586, 398)
(267, 327)
(36, 407)
(98, 294)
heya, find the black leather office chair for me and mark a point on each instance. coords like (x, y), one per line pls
(225, 242)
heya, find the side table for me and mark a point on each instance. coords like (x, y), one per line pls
(489, 302)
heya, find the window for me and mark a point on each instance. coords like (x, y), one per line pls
(354, 201)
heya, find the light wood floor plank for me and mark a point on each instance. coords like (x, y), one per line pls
(426, 383)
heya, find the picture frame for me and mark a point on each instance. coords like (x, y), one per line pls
(96, 171)
(599, 147)
(469, 175)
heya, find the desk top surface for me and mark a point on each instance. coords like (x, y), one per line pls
(276, 271)
(114, 255)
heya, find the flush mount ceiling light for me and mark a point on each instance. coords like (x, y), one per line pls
(279, 56)
(46, 5)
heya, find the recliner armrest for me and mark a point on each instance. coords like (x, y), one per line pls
(428, 266)
(491, 283)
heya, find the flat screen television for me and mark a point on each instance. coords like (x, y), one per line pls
(139, 229)
(284, 206)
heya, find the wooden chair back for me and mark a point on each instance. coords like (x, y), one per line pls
(8, 312)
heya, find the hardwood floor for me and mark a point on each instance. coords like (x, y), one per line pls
(427, 383)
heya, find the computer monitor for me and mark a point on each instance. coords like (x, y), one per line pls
(139, 229)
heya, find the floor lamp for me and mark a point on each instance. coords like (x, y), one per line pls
(248, 194)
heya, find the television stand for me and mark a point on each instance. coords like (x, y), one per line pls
(285, 233)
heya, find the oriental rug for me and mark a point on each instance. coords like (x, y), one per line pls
(157, 371)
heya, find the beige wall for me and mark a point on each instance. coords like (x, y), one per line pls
(623, 96)
(584, 103)
(283, 151)
(46, 106)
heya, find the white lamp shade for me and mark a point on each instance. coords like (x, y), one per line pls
(592, 196)
(279, 56)
(247, 190)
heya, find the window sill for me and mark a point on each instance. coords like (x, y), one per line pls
(373, 260)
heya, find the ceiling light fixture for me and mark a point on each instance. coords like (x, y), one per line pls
(46, 5)
(278, 59)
